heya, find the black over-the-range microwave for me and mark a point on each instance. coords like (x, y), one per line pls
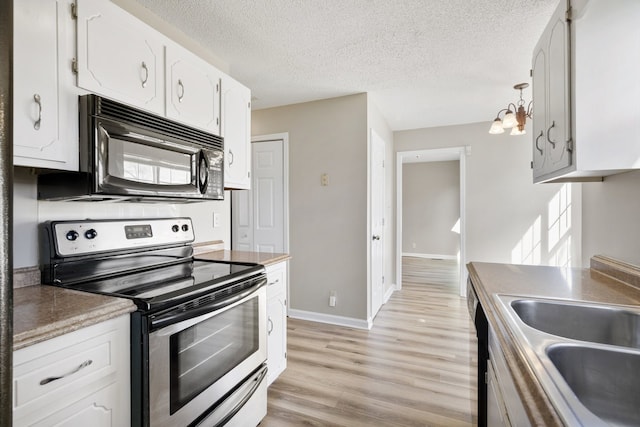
(130, 154)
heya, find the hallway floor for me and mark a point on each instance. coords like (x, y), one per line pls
(415, 367)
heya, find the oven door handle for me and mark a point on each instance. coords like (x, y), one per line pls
(178, 315)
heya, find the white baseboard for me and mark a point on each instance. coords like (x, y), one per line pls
(430, 256)
(330, 318)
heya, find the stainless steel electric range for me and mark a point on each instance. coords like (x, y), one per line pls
(198, 337)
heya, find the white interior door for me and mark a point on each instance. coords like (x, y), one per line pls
(268, 197)
(259, 214)
(377, 190)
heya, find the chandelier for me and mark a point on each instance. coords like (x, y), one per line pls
(513, 119)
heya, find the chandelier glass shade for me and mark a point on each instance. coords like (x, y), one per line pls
(515, 115)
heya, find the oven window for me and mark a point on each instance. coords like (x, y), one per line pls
(203, 353)
(146, 164)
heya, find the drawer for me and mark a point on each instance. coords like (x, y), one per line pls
(276, 279)
(64, 368)
(55, 373)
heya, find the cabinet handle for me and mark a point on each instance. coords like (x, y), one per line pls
(274, 282)
(80, 366)
(230, 157)
(180, 90)
(270, 329)
(537, 146)
(36, 124)
(553, 124)
(146, 74)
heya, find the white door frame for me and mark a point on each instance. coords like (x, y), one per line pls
(434, 155)
(370, 312)
(284, 137)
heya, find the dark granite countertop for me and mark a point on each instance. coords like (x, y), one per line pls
(41, 312)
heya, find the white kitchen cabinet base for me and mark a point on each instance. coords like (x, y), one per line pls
(77, 379)
(276, 320)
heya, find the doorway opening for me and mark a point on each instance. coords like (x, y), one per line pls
(440, 265)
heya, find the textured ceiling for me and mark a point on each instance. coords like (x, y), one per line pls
(424, 62)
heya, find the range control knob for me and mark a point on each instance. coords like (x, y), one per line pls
(185, 227)
(175, 228)
(90, 233)
(72, 235)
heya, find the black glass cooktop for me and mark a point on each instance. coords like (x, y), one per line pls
(170, 284)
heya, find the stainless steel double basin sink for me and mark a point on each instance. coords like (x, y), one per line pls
(585, 355)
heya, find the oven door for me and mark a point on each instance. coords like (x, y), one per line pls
(197, 363)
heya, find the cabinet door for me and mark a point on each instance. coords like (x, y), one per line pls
(79, 376)
(119, 56)
(276, 320)
(96, 410)
(558, 133)
(193, 90)
(539, 80)
(496, 411)
(45, 104)
(277, 336)
(236, 130)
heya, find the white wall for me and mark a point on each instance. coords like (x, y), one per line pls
(611, 218)
(509, 219)
(328, 224)
(431, 208)
(29, 212)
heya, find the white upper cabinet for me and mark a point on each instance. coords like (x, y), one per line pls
(119, 56)
(193, 89)
(45, 103)
(585, 91)
(551, 113)
(236, 130)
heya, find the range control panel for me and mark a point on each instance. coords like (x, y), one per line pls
(92, 236)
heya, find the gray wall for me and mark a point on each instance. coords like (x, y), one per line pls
(509, 219)
(611, 218)
(430, 207)
(328, 226)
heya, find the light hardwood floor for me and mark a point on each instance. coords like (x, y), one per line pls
(415, 367)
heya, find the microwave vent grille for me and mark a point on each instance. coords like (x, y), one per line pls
(108, 109)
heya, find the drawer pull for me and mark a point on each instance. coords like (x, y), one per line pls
(81, 366)
(274, 282)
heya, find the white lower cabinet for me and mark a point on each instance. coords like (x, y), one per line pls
(504, 407)
(77, 379)
(276, 320)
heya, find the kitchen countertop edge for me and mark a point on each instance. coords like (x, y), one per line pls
(264, 258)
(42, 312)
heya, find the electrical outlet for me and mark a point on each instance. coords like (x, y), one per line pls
(413, 245)
(324, 180)
(332, 299)
(216, 220)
